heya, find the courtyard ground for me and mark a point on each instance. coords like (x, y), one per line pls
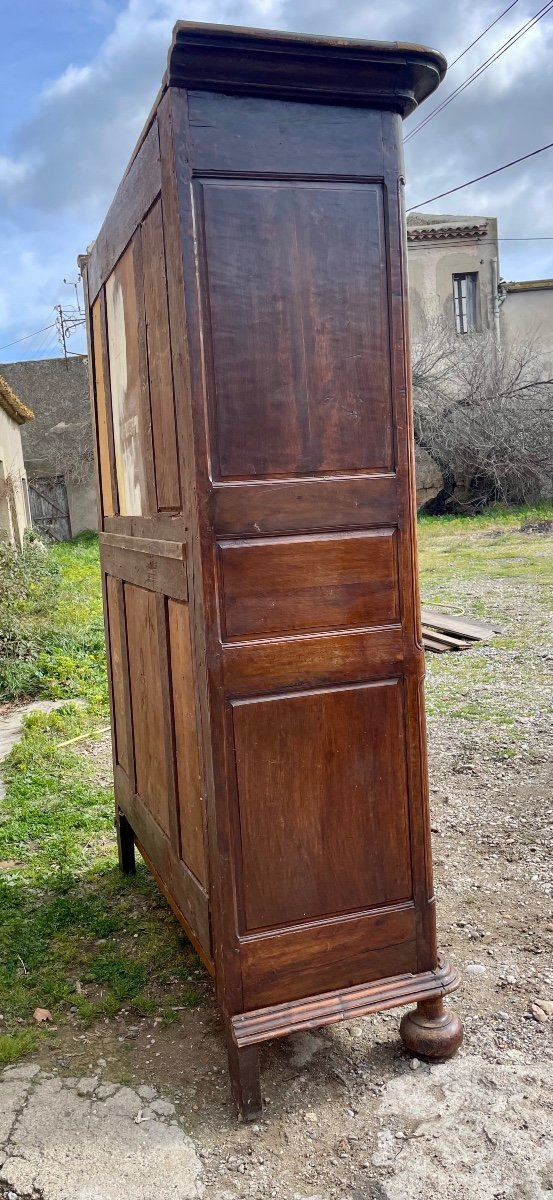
(125, 1094)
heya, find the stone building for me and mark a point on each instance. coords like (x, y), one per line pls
(453, 272)
(15, 515)
(57, 446)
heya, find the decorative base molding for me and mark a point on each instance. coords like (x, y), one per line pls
(262, 1024)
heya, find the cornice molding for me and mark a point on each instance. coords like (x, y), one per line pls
(260, 62)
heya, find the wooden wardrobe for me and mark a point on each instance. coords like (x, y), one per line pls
(248, 341)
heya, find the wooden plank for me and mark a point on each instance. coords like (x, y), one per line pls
(133, 198)
(138, 545)
(162, 401)
(155, 572)
(158, 526)
(179, 882)
(105, 429)
(145, 414)
(116, 634)
(467, 627)
(147, 701)
(446, 639)
(190, 800)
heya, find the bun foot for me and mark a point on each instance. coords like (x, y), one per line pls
(432, 1031)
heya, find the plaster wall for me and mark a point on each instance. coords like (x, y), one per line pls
(431, 266)
(14, 517)
(527, 316)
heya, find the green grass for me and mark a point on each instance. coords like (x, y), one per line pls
(51, 619)
(75, 934)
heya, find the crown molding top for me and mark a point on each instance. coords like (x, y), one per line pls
(264, 62)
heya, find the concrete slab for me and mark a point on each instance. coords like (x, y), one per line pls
(60, 1140)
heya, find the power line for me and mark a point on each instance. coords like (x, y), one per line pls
(27, 336)
(481, 35)
(515, 37)
(487, 174)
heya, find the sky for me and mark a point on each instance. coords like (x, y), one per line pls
(78, 78)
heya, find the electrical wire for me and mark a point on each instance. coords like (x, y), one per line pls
(27, 336)
(481, 35)
(515, 37)
(477, 179)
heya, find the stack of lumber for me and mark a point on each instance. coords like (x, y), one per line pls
(440, 632)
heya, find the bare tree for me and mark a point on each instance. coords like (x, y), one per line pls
(485, 414)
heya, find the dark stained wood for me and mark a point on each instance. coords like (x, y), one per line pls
(191, 808)
(302, 505)
(244, 1078)
(303, 584)
(317, 661)
(336, 832)
(190, 898)
(337, 953)
(152, 769)
(266, 652)
(134, 197)
(162, 405)
(277, 1020)
(269, 62)
(238, 136)
(117, 638)
(275, 313)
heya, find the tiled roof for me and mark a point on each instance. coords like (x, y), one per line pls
(529, 285)
(13, 406)
(444, 233)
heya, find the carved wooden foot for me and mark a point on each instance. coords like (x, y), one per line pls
(125, 844)
(244, 1079)
(432, 1031)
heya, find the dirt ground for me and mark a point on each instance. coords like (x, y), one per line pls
(348, 1114)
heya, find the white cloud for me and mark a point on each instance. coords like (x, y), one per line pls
(59, 178)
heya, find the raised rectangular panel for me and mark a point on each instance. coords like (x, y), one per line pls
(147, 702)
(124, 367)
(160, 374)
(333, 837)
(116, 635)
(298, 370)
(102, 412)
(190, 803)
(303, 584)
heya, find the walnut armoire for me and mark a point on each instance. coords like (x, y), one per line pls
(246, 298)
